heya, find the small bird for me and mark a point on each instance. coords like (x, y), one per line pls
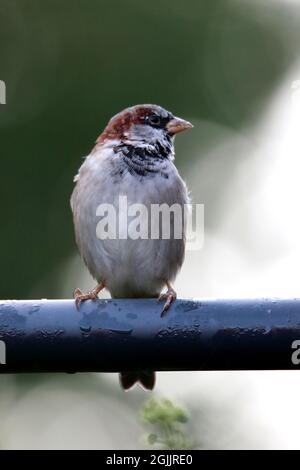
(133, 157)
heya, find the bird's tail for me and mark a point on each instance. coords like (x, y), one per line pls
(144, 378)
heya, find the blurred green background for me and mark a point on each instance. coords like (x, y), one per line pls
(69, 66)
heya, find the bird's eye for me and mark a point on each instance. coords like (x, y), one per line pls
(154, 120)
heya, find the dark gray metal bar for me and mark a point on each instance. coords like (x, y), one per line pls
(115, 335)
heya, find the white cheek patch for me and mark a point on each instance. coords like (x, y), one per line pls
(145, 132)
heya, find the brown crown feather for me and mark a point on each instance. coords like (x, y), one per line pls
(121, 122)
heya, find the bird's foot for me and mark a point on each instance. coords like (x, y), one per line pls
(169, 297)
(80, 296)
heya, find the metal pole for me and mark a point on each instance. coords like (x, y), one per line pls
(115, 335)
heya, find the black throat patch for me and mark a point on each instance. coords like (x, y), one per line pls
(146, 160)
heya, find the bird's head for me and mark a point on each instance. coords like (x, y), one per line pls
(145, 123)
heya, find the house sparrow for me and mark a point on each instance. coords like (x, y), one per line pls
(133, 157)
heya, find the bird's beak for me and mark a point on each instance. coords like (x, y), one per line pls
(177, 125)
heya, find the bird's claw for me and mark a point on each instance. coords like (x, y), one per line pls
(79, 297)
(169, 297)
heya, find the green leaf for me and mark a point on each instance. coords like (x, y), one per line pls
(152, 439)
